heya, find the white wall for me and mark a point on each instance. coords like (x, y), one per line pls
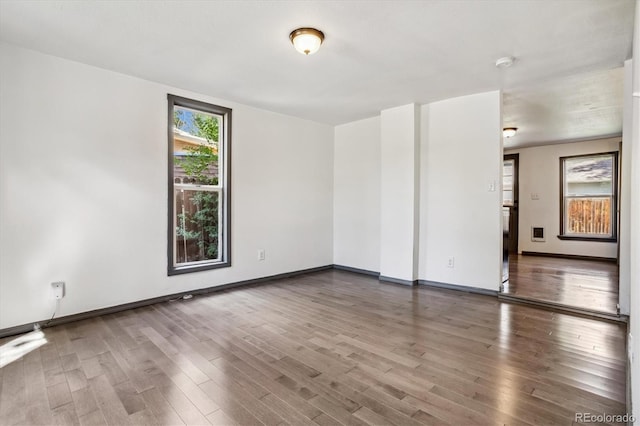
(624, 259)
(83, 181)
(461, 151)
(356, 195)
(457, 214)
(539, 169)
(399, 142)
(634, 318)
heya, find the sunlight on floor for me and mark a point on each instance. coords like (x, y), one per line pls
(17, 348)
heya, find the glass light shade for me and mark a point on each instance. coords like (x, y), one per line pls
(509, 132)
(306, 40)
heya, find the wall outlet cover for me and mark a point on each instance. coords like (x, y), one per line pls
(57, 289)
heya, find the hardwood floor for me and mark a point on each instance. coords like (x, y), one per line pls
(329, 348)
(586, 284)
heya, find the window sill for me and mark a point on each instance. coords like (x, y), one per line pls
(197, 268)
(584, 238)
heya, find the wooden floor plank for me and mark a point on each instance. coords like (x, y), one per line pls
(108, 402)
(160, 407)
(328, 348)
(586, 284)
(13, 401)
(94, 418)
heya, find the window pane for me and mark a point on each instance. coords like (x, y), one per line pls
(588, 216)
(507, 198)
(507, 182)
(197, 225)
(199, 211)
(589, 193)
(591, 175)
(196, 147)
(508, 166)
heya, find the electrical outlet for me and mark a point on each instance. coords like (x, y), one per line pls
(57, 289)
(261, 254)
(450, 262)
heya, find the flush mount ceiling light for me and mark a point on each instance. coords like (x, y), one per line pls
(505, 62)
(306, 40)
(509, 132)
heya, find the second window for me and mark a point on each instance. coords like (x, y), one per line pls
(588, 197)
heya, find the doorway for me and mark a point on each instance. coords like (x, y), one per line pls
(561, 223)
(573, 282)
(509, 212)
(510, 199)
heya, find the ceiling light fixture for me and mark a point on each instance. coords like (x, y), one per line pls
(306, 40)
(509, 132)
(505, 62)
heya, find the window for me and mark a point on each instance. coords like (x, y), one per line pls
(508, 170)
(588, 197)
(199, 195)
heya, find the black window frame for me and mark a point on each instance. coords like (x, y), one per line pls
(225, 142)
(614, 200)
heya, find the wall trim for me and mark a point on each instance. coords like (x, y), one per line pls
(570, 256)
(25, 328)
(356, 270)
(397, 280)
(474, 290)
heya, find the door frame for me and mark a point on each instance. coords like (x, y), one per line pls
(514, 218)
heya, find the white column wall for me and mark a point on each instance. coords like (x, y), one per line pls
(453, 213)
(461, 206)
(634, 275)
(624, 232)
(356, 194)
(399, 143)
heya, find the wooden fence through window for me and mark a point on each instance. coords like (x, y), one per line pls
(589, 216)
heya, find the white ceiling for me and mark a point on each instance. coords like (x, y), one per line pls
(377, 54)
(577, 107)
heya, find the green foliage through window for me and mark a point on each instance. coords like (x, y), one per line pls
(197, 211)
